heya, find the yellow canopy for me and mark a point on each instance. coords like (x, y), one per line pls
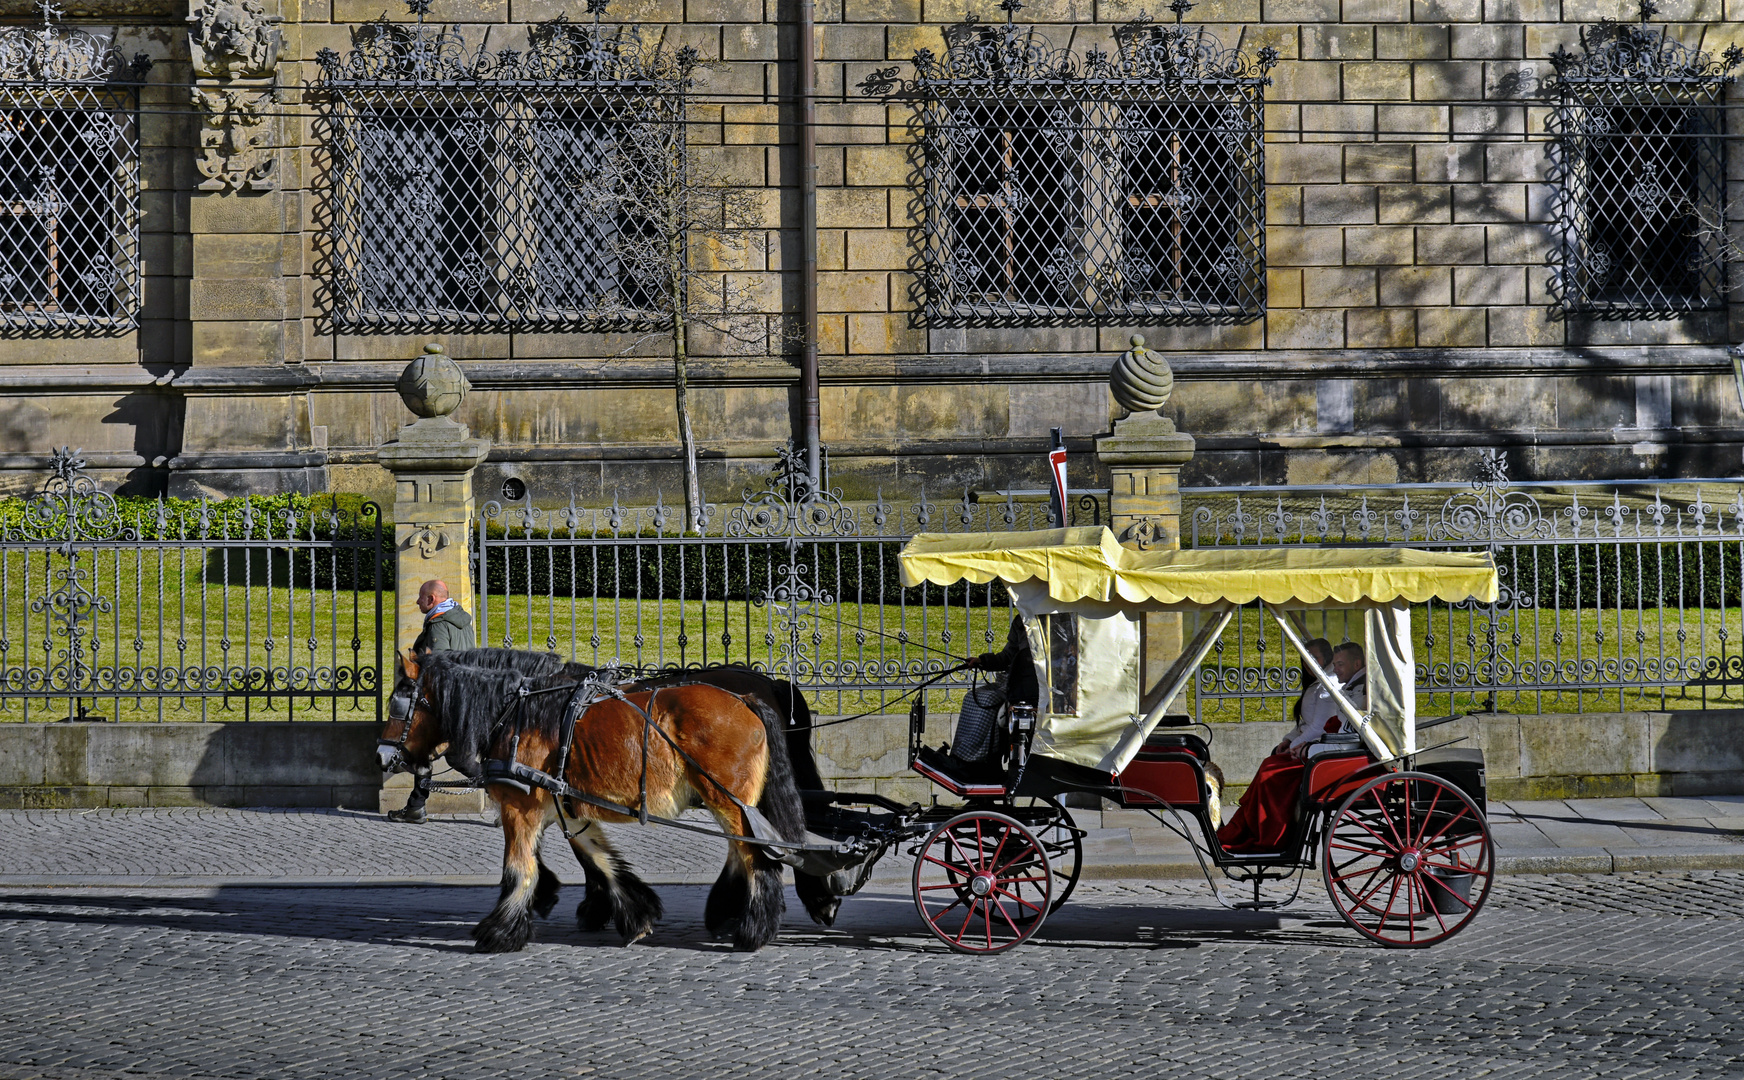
(1083, 568)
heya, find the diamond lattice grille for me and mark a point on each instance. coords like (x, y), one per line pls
(69, 206)
(472, 207)
(1640, 177)
(509, 190)
(1085, 189)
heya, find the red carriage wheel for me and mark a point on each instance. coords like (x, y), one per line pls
(1408, 860)
(982, 882)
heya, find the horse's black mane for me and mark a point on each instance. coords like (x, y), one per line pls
(474, 686)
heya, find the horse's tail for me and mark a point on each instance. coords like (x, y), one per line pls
(780, 801)
(799, 721)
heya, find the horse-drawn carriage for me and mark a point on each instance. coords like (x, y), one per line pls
(1398, 835)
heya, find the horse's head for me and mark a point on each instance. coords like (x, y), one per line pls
(409, 740)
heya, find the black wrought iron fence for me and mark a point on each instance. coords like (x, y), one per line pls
(797, 582)
(154, 610)
(1613, 595)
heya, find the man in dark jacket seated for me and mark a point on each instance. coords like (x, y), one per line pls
(974, 741)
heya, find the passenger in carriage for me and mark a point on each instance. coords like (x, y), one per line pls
(1269, 803)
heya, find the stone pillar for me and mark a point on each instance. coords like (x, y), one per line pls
(1144, 454)
(432, 461)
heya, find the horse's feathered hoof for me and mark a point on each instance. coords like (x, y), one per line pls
(504, 934)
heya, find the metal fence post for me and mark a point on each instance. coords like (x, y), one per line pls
(432, 461)
(1144, 454)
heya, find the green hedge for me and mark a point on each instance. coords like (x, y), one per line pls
(340, 516)
(845, 571)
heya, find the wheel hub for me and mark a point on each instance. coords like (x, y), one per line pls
(981, 884)
(1409, 860)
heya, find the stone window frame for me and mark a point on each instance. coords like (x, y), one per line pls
(1066, 242)
(1635, 96)
(477, 222)
(69, 208)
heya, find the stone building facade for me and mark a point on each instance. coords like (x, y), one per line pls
(1420, 269)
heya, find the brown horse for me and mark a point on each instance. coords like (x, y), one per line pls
(784, 709)
(710, 748)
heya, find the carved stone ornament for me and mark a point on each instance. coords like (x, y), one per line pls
(427, 540)
(236, 151)
(433, 384)
(1141, 379)
(234, 46)
(233, 39)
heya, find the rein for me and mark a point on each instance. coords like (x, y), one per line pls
(880, 710)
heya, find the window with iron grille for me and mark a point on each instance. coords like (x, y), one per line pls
(1095, 188)
(69, 180)
(1640, 172)
(496, 191)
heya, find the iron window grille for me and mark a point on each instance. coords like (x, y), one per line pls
(1125, 187)
(499, 191)
(69, 180)
(1638, 161)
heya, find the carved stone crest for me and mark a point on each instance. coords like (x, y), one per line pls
(233, 39)
(234, 46)
(235, 139)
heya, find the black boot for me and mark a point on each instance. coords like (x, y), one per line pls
(413, 813)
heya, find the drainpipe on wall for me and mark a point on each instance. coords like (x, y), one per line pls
(808, 363)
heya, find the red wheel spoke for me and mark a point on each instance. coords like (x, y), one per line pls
(993, 859)
(1002, 867)
(980, 848)
(1380, 852)
(952, 867)
(1428, 816)
(1014, 928)
(1016, 899)
(933, 888)
(1371, 872)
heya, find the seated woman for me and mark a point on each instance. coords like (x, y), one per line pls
(1016, 685)
(1269, 803)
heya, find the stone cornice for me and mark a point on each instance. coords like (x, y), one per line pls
(379, 375)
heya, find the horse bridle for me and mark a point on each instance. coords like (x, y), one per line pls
(400, 707)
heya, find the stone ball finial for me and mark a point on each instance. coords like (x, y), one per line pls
(1141, 379)
(433, 384)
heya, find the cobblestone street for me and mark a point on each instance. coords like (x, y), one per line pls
(1567, 976)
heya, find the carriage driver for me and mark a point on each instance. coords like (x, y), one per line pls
(1017, 683)
(1266, 807)
(446, 628)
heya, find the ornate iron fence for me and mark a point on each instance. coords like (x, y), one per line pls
(1614, 595)
(168, 611)
(798, 582)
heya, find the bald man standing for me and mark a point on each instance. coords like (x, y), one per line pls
(446, 628)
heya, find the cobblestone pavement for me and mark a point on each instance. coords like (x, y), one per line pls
(65, 846)
(1629, 975)
(218, 846)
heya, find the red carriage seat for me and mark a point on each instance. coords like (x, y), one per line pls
(962, 780)
(1331, 778)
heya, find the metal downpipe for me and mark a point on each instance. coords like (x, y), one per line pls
(808, 364)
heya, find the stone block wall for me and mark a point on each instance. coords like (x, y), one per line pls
(1410, 319)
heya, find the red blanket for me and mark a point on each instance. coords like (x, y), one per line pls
(1266, 808)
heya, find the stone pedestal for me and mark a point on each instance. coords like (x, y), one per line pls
(432, 461)
(1144, 454)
